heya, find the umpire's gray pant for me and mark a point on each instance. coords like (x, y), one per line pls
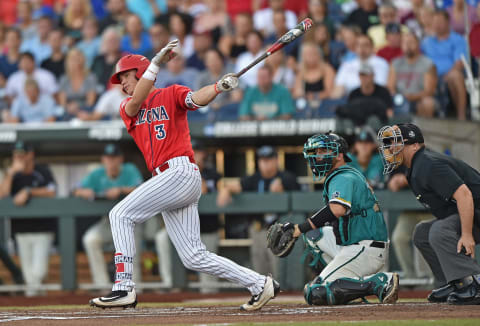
(437, 241)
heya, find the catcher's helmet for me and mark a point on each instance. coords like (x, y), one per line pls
(328, 141)
(129, 62)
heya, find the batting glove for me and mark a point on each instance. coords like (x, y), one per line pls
(166, 54)
(226, 83)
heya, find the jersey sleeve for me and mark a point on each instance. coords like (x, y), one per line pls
(127, 120)
(340, 190)
(183, 98)
(443, 180)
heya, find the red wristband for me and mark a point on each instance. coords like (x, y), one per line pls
(215, 88)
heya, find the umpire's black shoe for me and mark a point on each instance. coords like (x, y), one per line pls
(467, 291)
(116, 299)
(441, 294)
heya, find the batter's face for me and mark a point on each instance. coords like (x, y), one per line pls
(128, 80)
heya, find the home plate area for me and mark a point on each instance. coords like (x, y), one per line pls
(202, 315)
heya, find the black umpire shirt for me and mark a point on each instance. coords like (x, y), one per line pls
(434, 178)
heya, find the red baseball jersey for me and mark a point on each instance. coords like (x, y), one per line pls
(160, 128)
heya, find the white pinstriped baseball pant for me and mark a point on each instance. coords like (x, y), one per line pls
(175, 193)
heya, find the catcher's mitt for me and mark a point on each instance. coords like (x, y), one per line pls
(280, 239)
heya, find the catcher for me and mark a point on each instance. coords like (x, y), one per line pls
(348, 234)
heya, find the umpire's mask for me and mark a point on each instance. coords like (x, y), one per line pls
(391, 144)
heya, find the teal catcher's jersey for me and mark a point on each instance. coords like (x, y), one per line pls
(364, 219)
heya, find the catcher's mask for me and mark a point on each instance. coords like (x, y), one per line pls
(321, 163)
(391, 144)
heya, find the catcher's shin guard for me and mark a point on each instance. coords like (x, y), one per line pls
(344, 290)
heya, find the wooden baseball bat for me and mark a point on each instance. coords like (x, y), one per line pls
(288, 37)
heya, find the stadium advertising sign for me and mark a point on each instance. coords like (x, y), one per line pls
(269, 128)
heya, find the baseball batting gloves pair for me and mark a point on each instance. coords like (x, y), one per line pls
(163, 56)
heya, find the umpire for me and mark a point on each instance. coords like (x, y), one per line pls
(450, 189)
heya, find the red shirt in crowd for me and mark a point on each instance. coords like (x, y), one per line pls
(389, 53)
(160, 129)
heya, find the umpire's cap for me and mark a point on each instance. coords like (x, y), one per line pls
(411, 134)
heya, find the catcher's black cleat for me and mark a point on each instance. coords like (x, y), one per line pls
(270, 291)
(441, 294)
(390, 292)
(116, 299)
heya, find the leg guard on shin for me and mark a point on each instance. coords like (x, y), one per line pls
(343, 290)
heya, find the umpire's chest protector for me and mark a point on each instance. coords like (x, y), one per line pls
(364, 219)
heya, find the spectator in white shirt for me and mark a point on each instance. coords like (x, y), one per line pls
(263, 19)
(254, 50)
(44, 78)
(347, 78)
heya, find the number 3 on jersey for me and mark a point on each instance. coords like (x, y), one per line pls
(160, 132)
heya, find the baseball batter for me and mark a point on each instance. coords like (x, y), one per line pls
(349, 234)
(157, 121)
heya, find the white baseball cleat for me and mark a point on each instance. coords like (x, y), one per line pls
(116, 299)
(270, 291)
(390, 292)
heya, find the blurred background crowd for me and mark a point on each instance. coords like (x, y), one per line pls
(364, 60)
(364, 63)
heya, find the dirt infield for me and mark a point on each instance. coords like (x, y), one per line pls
(231, 314)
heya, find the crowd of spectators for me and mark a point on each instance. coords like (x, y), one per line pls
(56, 56)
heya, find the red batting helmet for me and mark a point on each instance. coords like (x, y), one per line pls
(129, 62)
